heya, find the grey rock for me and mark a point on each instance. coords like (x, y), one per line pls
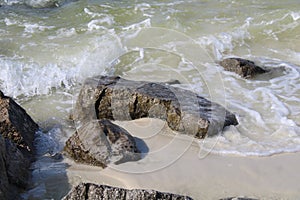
(244, 68)
(13, 170)
(89, 191)
(17, 125)
(238, 198)
(4, 184)
(115, 98)
(43, 4)
(101, 142)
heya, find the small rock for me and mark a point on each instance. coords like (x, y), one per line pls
(89, 191)
(101, 142)
(42, 4)
(244, 68)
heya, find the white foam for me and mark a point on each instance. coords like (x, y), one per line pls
(31, 79)
(21, 77)
(143, 7)
(265, 113)
(295, 15)
(97, 24)
(33, 3)
(63, 33)
(9, 22)
(28, 27)
(143, 24)
(226, 41)
(98, 19)
(32, 28)
(11, 2)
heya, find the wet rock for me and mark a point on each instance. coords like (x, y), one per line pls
(89, 191)
(43, 4)
(17, 131)
(172, 82)
(17, 125)
(244, 68)
(115, 98)
(101, 142)
(238, 198)
(4, 184)
(13, 170)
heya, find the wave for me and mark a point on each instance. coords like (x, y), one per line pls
(35, 3)
(20, 76)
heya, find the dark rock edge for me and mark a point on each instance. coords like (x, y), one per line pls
(90, 191)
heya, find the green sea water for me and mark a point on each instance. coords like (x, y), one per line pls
(48, 49)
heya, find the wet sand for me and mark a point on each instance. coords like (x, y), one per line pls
(175, 163)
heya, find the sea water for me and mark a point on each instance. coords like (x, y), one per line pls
(48, 48)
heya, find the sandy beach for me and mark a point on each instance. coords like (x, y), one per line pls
(174, 163)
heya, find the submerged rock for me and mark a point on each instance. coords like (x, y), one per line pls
(89, 191)
(43, 3)
(120, 99)
(244, 68)
(17, 131)
(17, 125)
(101, 142)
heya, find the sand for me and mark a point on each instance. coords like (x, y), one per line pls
(175, 163)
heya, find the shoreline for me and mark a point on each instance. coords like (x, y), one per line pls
(212, 177)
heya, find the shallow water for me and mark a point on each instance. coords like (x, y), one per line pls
(48, 48)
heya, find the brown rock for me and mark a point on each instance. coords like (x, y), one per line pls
(89, 191)
(244, 68)
(17, 131)
(17, 125)
(101, 142)
(119, 99)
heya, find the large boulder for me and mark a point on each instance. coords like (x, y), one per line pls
(244, 68)
(89, 191)
(116, 98)
(17, 125)
(101, 142)
(17, 131)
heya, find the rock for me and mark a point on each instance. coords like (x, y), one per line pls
(101, 142)
(238, 198)
(17, 131)
(172, 82)
(115, 98)
(17, 125)
(13, 170)
(244, 68)
(42, 4)
(89, 191)
(4, 184)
